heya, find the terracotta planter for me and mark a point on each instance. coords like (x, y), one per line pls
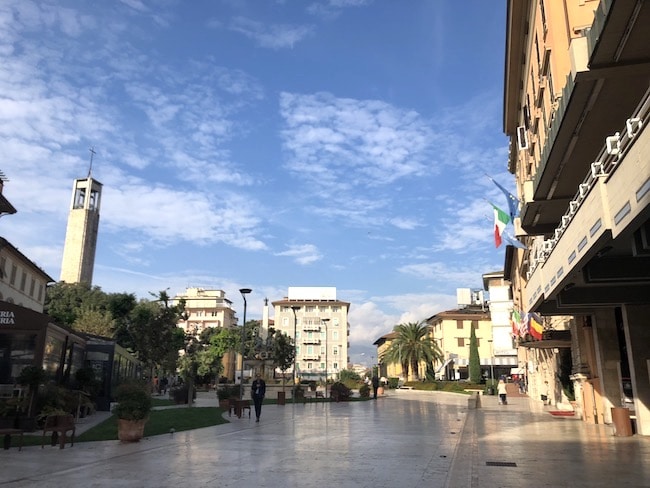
(380, 390)
(130, 430)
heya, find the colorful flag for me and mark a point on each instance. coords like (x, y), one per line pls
(535, 327)
(512, 241)
(514, 322)
(501, 219)
(513, 201)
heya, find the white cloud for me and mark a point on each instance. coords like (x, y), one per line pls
(272, 36)
(302, 253)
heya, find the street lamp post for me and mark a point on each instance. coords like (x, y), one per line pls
(325, 321)
(295, 343)
(244, 292)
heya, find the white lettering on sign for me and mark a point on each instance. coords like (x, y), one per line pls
(7, 318)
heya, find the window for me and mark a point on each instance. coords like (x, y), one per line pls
(23, 281)
(335, 321)
(335, 350)
(3, 262)
(32, 284)
(475, 324)
(12, 278)
(335, 309)
(335, 366)
(310, 308)
(79, 197)
(335, 335)
(285, 321)
(461, 341)
(322, 349)
(309, 366)
(459, 324)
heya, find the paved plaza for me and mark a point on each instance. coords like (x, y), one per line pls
(404, 439)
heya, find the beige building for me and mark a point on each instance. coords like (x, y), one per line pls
(576, 106)
(81, 234)
(22, 282)
(318, 322)
(209, 308)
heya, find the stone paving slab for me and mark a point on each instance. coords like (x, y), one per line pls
(405, 439)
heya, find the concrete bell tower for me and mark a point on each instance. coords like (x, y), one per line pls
(81, 234)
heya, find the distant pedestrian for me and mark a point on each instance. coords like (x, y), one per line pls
(258, 390)
(502, 392)
(375, 385)
(164, 382)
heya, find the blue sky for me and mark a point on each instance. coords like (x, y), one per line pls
(262, 144)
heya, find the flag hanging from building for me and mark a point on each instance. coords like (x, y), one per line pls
(501, 219)
(515, 318)
(535, 327)
(512, 241)
(513, 201)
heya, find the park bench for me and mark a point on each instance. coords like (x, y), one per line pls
(59, 426)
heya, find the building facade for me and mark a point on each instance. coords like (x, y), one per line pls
(81, 234)
(576, 105)
(318, 323)
(210, 309)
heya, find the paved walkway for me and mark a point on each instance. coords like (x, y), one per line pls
(405, 439)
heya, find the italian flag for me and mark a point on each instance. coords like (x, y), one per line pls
(501, 219)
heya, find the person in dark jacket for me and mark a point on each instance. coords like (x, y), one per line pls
(375, 385)
(258, 390)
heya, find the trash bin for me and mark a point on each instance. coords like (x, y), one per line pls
(490, 390)
(281, 398)
(621, 421)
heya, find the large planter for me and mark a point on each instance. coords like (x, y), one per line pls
(380, 390)
(130, 430)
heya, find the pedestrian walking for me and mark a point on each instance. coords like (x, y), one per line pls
(502, 392)
(258, 390)
(375, 386)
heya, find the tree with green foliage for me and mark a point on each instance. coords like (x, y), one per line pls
(154, 332)
(474, 359)
(94, 321)
(283, 353)
(412, 346)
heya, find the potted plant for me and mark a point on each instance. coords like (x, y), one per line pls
(224, 394)
(132, 411)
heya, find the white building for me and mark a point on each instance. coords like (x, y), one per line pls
(209, 308)
(318, 323)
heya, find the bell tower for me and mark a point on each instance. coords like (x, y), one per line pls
(81, 234)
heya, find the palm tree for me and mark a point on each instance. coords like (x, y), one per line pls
(411, 346)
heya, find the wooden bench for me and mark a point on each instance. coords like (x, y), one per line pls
(238, 406)
(59, 426)
(7, 433)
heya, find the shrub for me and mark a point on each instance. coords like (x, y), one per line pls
(364, 391)
(134, 401)
(340, 391)
(226, 392)
(392, 383)
(180, 393)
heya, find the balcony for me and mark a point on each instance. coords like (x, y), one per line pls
(610, 69)
(311, 357)
(598, 254)
(311, 341)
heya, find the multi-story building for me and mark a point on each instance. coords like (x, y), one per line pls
(209, 308)
(576, 106)
(451, 331)
(318, 323)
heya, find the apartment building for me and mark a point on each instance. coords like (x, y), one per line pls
(318, 323)
(209, 308)
(576, 105)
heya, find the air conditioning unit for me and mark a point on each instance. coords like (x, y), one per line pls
(522, 138)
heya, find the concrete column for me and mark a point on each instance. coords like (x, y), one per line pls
(637, 336)
(606, 378)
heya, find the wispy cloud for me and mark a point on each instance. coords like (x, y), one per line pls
(273, 36)
(302, 253)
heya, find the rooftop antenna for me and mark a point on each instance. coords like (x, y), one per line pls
(92, 153)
